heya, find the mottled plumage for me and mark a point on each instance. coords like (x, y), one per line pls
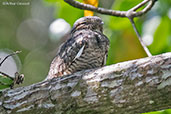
(86, 48)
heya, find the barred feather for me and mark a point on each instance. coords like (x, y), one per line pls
(86, 48)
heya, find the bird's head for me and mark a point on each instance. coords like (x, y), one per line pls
(90, 22)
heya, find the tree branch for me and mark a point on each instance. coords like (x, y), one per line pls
(113, 12)
(130, 87)
(96, 9)
(130, 14)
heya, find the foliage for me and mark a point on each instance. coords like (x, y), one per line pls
(5, 82)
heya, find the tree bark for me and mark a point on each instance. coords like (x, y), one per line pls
(130, 87)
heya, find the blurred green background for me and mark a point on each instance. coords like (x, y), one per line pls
(37, 28)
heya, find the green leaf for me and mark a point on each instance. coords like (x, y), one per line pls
(5, 81)
(4, 87)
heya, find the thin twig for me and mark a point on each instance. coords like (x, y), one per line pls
(146, 9)
(139, 5)
(131, 14)
(14, 53)
(139, 37)
(6, 75)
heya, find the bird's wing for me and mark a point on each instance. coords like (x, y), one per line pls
(68, 52)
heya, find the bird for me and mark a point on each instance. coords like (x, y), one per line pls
(86, 48)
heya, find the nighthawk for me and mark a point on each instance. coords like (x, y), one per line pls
(86, 48)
